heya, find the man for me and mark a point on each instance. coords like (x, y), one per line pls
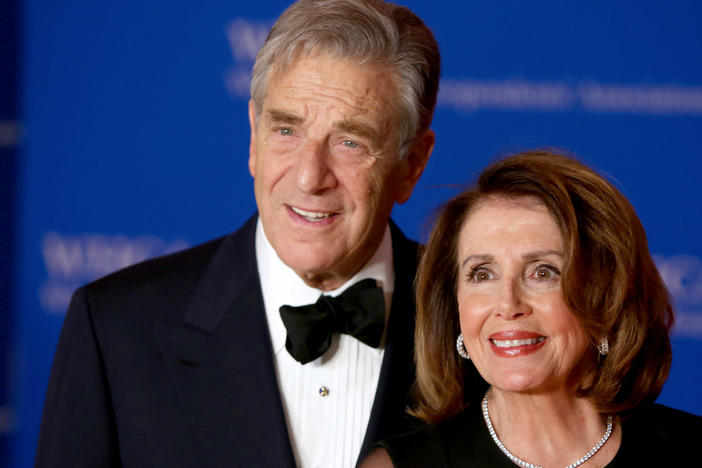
(186, 361)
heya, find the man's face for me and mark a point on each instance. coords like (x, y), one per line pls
(326, 168)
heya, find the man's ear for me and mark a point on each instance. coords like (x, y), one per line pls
(252, 142)
(414, 163)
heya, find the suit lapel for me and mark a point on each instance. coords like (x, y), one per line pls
(220, 358)
(388, 416)
(221, 361)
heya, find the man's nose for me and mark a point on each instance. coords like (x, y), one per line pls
(314, 173)
(511, 303)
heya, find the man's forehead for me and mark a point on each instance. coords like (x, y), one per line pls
(356, 85)
(283, 65)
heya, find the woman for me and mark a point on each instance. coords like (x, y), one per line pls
(541, 277)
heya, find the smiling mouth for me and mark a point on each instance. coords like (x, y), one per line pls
(515, 343)
(312, 216)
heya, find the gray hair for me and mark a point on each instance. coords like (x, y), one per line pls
(368, 32)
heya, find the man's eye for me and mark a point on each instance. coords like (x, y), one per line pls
(350, 144)
(285, 131)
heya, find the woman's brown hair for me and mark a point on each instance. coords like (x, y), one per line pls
(609, 282)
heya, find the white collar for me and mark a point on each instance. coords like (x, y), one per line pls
(280, 285)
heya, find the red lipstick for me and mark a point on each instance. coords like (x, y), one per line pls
(515, 343)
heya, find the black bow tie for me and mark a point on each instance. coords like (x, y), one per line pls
(359, 311)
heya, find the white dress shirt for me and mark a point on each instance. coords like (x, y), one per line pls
(327, 402)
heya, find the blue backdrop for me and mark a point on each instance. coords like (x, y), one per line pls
(136, 138)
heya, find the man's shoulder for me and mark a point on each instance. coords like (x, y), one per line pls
(399, 240)
(174, 275)
(406, 253)
(163, 267)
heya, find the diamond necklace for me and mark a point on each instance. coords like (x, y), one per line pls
(525, 464)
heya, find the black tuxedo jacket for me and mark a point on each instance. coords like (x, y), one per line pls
(169, 364)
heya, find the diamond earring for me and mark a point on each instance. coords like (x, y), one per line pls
(603, 347)
(460, 348)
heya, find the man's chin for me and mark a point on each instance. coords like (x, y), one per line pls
(317, 268)
(308, 268)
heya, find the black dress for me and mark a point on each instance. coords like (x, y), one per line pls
(653, 435)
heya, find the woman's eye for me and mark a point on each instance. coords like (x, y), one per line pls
(546, 273)
(479, 275)
(543, 273)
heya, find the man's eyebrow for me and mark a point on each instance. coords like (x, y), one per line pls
(283, 117)
(358, 128)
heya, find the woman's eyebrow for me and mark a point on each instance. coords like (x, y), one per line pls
(478, 257)
(541, 253)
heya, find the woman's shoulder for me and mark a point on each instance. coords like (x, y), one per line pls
(664, 422)
(418, 448)
(455, 442)
(655, 433)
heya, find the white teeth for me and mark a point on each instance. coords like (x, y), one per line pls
(310, 215)
(513, 343)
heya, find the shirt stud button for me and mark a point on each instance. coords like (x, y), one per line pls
(323, 391)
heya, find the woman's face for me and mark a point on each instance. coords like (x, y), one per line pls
(516, 325)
